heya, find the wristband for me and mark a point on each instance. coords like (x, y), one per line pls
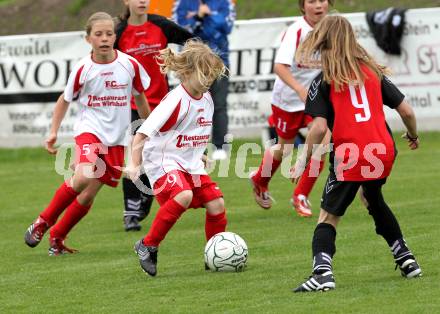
(412, 139)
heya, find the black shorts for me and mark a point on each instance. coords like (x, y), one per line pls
(338, 195)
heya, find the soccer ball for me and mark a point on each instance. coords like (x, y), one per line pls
(226, 251)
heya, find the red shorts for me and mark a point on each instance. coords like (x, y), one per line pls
(287, 123)
(203, 188)
(108, 160)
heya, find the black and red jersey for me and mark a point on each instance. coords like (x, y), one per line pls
(144, 42)
(362, 142)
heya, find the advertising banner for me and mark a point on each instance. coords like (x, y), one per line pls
(34, 70)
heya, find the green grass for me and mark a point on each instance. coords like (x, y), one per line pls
(105, 276)
(275, 8)
(75, 6)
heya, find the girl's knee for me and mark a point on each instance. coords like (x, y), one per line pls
(86, 197)
(216, 206)
(184, 198)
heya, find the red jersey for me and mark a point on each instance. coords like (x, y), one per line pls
(144, 42)
(363, 147)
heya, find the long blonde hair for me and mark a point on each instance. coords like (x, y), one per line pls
(332, 46)
(195, 57)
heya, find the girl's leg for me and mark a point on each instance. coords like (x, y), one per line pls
(271, 161)
(388, 227)
(305, 185)
(166, 217)
(89, 187)
(215, 217)
(324, 242)
(64, 196)
(76, 210)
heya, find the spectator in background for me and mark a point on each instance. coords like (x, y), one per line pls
(212, 21)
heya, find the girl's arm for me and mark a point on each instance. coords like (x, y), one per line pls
(314, 137)
(142, 105)
(136, 155)
(174, 33)
(409, 119)
(284, 73)
(58, 114)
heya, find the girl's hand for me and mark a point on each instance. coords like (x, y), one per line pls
(413, 142)
(50, 142)
(296, 172)
(207, 162)
(303, 95)
(133, 173)
(204, 10)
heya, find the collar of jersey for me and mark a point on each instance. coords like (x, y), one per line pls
(94, 61)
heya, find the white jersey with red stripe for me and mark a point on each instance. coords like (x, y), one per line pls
(283, 96)
(178, 129)
(103, 91)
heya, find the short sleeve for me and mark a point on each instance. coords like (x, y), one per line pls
(74, 83)
(391, 95)
(289, 44)
(162, 118)
(318, 99)
(174, 33)
(141, 80)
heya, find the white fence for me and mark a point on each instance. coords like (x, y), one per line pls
(34, 70)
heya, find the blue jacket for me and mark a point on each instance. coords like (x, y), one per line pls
(213, 29)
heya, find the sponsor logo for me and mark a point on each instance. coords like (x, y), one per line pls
(145, 49)
(106, 101)
(329, 186)
(114, 85)
(313, 91)
(185, 141)
(106, 73)
(201, 122)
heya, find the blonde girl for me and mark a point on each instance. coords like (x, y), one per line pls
(170, 146)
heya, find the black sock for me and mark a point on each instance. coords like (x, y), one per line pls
(400, 251)
(386, 223)
(146, 198)
(132, 198)
(323, 246)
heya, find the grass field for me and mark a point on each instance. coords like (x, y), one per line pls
(105, 276)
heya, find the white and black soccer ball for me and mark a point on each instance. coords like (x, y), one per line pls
(226, 251)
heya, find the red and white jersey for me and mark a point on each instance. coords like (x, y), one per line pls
(103, 91)
(179, 130)
(283, 96)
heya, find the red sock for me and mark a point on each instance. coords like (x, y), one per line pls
(165, 219)
(62, 198)
(74, 213)
(215, 224)
(268, 167)
(309, 177)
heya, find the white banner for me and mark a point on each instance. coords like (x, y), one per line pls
(34, 71)
(415, 72)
